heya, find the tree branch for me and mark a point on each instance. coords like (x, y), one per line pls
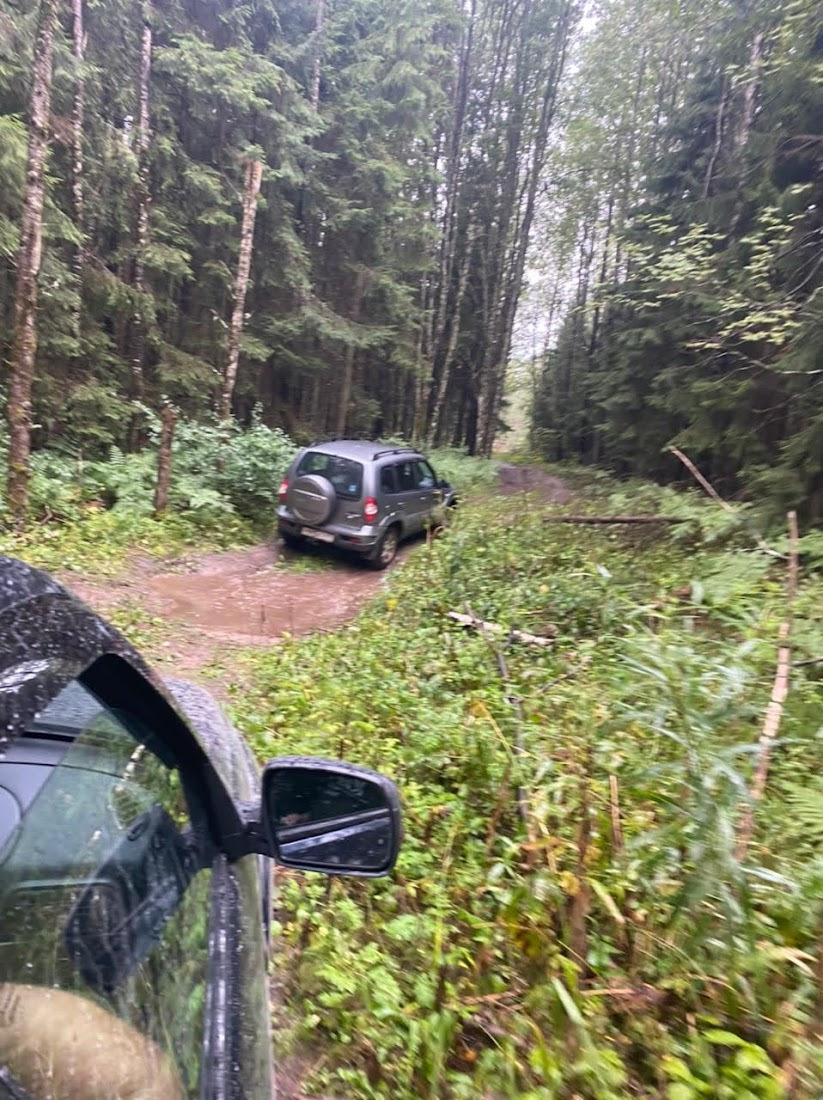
(614, 519)
(780, 690)
(710, 489)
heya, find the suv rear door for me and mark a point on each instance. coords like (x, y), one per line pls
(345, 475)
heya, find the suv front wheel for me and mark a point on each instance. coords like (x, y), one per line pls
(385, 551)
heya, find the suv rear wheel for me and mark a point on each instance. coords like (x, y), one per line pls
(385, 551)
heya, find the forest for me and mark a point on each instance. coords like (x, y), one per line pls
(680, 250)
(319, 210)
(352, 216)
(229, 228)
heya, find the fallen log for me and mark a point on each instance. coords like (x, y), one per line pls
(614, 519)
(499, 631)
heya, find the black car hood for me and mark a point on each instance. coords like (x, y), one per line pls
(47, 638)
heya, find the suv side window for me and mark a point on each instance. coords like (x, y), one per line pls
(104, 937)
(387, 480)
(406, 476)
(425, 475)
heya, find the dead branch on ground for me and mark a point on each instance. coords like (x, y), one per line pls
(614, 519)
(496, 630)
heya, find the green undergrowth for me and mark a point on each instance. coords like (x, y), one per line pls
(101, 542)
(570, 915)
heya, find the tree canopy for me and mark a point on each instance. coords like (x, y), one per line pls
(684, 245)
(329, 210)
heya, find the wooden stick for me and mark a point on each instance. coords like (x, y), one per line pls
(614, 519)
(515, 703)
(724, 504)
(495, 629)
(710, 489)
(780, 690)
(614, 805)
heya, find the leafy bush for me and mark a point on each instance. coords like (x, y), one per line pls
(465, 472)
(218, 470)
(243, 466)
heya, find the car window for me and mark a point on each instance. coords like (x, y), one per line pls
(387, 482)
(425, 475)
(345, 474)
(406, 476)
(103, 913)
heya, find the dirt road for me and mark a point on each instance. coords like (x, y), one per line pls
(194, 612)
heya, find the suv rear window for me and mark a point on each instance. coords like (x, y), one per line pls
(345, 474)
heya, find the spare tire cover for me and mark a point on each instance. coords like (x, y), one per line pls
(311, 498)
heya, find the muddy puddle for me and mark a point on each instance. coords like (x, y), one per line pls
(250, 595)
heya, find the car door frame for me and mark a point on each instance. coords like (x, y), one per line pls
(49, 630)
(427, 497)
(117, 684)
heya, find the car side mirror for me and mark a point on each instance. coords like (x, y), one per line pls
(330, 816)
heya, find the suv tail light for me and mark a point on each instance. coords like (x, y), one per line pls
(369, 510)
(284, 488)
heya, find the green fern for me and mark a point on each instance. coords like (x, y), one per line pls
(806, 805)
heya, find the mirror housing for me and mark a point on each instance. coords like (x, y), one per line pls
(330, 816)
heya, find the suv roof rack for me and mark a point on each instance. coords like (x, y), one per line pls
(395, 451)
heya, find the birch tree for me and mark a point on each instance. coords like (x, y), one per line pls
(24, 341)
(251, 190)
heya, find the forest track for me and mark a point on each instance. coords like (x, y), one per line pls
(193, 613)
(532, 479)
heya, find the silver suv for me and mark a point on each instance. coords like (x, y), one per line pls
(360, 496)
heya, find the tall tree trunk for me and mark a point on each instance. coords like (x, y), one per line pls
(24, 337)
(719, 124)
(603, 277)
(254, 174)
(744, 129)
(448, 358)
(77, 125)
(348, 363)
(492, 384)
(319, 18)
(138, 334)
(168, 421)
(448, 241)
